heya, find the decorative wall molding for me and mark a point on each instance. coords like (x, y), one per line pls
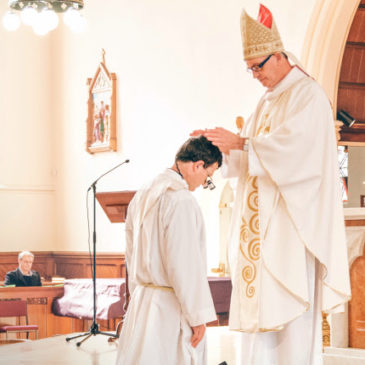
(27, 188)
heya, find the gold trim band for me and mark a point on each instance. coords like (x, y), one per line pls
(149, 285)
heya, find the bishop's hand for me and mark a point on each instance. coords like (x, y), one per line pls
(224, 139)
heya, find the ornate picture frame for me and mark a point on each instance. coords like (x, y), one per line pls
(101, 120)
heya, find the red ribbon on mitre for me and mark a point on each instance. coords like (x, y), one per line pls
(265, 16)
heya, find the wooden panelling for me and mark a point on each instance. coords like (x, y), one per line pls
(67, 264)
(78, 265)
(353, 61)
(355, 222)
(351, 88)
(354, 134)
(105, 271)
(351, 98)
(70, 270)
(356, 305)
(357, 30)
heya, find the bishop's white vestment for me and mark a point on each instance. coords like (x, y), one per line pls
(287, 253)
(166, 262)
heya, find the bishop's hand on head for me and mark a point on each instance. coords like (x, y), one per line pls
(198, 132)
(224, 139)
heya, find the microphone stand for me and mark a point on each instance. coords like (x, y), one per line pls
(94, 329)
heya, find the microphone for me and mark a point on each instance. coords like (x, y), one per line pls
(346, 118)
(105, 173)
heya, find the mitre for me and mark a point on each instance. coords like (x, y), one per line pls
(260, 37)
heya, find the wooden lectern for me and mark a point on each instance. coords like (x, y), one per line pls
(115, 205)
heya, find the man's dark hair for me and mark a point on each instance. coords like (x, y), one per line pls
(199, 149)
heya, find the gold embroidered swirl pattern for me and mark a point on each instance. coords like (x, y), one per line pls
(253, 200)
(254, 224)
(244, 231)
(254, 249)
(249, 270)
(248, 275)
(249, 238)
(263, 130)
(254, 184)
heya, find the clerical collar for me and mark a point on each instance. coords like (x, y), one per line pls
(178, 170)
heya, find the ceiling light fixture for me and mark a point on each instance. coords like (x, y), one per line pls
(41, 15)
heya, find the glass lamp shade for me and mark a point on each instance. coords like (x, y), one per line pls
(40, 29)
(11, 21)
(74, 20)
(70, 17)
(51, 19)
(28, 15)
(45, 21)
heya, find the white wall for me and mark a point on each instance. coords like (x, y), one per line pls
(179, 67)
(27, 198)
(356, 172)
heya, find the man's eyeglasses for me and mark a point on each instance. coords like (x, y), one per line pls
(257, 68)
(209, 183)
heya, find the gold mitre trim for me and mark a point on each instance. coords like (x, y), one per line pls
(257, 39)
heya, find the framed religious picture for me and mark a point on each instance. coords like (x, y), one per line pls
(101, 120)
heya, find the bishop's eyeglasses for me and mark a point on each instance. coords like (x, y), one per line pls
(257, 68)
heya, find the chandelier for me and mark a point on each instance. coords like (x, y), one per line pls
(42, 16)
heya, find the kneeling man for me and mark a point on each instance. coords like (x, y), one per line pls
(166, 260)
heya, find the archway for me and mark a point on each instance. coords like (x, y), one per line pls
(325, 42)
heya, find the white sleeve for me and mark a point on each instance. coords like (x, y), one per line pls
(129, 244)
(231, 164)
(254, 165)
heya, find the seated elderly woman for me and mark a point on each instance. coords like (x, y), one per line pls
(23, 275)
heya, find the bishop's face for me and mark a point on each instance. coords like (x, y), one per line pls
(266, 69)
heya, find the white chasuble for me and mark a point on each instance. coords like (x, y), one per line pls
(166, 262)
(288, 206)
